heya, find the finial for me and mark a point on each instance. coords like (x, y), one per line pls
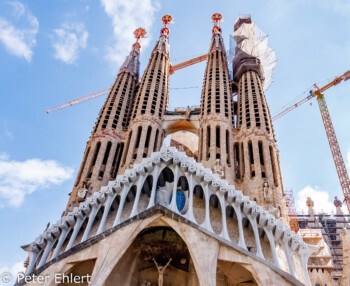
(166, 19)
(216, 18)
(139, 33)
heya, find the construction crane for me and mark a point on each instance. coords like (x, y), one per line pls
(328, 125)
(106, 91)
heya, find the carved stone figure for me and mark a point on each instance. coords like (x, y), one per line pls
(188, 113)
(219, 169)
(82, 194)
(161, 270)
(309, 202)
(337, 203)
(267, 193)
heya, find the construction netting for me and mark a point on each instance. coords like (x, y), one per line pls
(251, 40)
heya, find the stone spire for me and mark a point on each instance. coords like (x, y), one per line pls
(132, 62)
(256, 154)
(145, 133)
(216, 135)
(105, 147)
(217, 43)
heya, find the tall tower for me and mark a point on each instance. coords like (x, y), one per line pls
(256, 154)
(145, 133)
(216, 121)
(105, 147)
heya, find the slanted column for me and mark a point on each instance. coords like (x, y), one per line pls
(206, 224)
(65, 225)
(285, 245)
(268, 223)
(110, 198)
(95, 207)
(304, 254)
(49, 243)
(121, 203)
(80, 218)
(33, 254)
(236, 204)
(173, 205)
(189, 214)
(152, 199)
(139, 184)
(250, 210)
(224, 232)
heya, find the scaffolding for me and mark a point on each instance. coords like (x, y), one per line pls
(331, 226)
(292, 213)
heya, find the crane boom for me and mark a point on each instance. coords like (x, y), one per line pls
(314, 93)
(79, 100)
(106, 91)
(188, 63)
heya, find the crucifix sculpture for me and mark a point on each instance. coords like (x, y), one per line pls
(161, 270)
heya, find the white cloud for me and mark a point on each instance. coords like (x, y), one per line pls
(126, 16)
(12, 271)
(68, 40)
(322, 202)
(19, 40)
(21, 178)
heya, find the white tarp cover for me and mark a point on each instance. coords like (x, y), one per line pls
(251, 40)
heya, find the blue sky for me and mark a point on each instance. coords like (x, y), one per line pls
(53, 53)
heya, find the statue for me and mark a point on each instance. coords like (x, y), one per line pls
(219, 169)
(188, 113)
(82, 194)
(161, 270)
(309, 202)
(337, 203)
(267, 193)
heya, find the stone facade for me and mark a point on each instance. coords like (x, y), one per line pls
(219, 215)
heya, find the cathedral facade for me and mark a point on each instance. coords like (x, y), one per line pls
(143, 214)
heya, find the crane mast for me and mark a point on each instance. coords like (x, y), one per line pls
(335, 149)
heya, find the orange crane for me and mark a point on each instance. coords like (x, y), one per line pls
(106, 91)
(328, 125)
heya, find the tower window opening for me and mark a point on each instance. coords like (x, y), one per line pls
(108, 149)
(251, 155)
(273, 163)
(138, 138)
(237, 159)
(242, 160)
(114, 162)
(208, 142)
(217, 136)
(261, 153)
(93, 162)
(156, 141)
(227, 147)
(261, 157)
(127, 148)
(148, 136)
(82, 166)
(251, 159)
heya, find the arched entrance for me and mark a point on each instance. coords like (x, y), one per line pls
(157, 244)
